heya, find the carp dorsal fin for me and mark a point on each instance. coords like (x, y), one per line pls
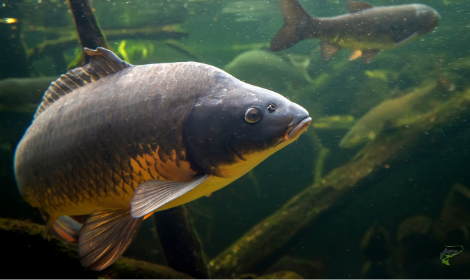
(357, 6)
(102, 63)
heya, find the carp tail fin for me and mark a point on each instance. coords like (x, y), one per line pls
(289, 35)
(105, 236)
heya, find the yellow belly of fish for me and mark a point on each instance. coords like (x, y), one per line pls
(230, 173)
(209, 186)
(143, 168)
(353, 44)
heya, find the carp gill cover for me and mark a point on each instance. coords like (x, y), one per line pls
(119, 142)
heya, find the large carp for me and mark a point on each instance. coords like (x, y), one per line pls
(120, 142)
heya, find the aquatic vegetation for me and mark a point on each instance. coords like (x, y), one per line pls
(135, 52)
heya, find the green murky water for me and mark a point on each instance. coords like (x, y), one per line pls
(385, 206)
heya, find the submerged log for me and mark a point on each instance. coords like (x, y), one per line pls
(88, 29)
(24, 249)
(48, 47)
(180, 242)
(273, 232)
(23, 94)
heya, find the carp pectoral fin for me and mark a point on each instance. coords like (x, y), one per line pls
(105, 235)
(369, 55)
(328, 50)
(153, 194)
(357, 6)
(402, 41)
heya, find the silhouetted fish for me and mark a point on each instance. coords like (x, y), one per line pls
(366, 29)
(119, 142)
(369, 126)
(23, 94)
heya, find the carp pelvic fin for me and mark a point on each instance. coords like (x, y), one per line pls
(355, 55)
(67, 229)
(358, 6)
(404, 40)
(105, 236)
(328, 50)
(153, 194)
(369, 55)
(288, 36)
(102, 63)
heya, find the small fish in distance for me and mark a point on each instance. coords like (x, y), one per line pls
(370, 125)
(365, 29)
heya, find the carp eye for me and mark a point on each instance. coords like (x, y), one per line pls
(271, 108)
(252, 115)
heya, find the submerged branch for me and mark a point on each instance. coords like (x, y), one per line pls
(88, 29)
(55, 259)
(274, 231)
(320, 159)
(180, 242)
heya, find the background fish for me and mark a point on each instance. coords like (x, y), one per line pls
(121, 141)
(366, 29)
(370, 125)
(267, 70)
(23, 94)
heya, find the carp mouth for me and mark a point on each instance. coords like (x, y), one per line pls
(299, 128)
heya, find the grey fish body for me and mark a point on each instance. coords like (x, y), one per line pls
(374, 28)
(265, 69)
(97, 129)
(120, 142)
(369, 126)
(366, 28)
